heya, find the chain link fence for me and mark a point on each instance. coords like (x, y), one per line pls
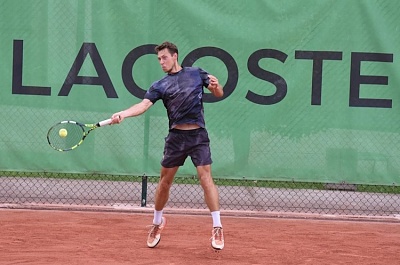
(302, 144)
(44, 189)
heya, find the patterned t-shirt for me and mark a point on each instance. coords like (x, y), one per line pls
(182, 95)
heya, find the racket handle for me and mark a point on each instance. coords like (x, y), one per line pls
(105, 122)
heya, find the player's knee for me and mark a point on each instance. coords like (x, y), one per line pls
(206, 182)
(165, 184)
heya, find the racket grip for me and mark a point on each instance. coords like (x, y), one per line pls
(105, 122)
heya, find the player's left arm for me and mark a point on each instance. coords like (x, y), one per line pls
(214, 86)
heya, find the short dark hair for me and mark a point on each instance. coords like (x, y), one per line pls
(167, 45)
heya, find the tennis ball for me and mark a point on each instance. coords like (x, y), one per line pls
(63, 133)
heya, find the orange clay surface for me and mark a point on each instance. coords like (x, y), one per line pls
(85, 237)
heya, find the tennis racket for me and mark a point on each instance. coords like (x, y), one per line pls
(68, 135)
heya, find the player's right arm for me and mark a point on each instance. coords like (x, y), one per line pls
(133, 111)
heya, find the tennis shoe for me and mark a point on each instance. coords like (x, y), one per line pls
(154, 236)
(217, 238)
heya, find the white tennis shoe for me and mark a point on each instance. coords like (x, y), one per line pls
(154, 236)
(217, 238)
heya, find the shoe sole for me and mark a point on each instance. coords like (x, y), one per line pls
(155, 244)
(217, 248)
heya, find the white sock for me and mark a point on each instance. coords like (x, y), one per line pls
(216, 219)
(157, 217)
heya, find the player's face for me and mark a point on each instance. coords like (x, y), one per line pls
(167, 61)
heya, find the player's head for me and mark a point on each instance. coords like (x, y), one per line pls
(167, 54)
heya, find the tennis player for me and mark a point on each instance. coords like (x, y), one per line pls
(181, 91)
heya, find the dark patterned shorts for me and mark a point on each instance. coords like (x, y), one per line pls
(179, 144)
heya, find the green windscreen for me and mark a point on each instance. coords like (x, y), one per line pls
(312, 88)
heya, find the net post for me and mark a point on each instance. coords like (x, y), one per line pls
(144, 191)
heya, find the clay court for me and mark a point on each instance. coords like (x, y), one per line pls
(88, 237)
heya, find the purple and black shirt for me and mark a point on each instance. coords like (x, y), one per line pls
(182, 95)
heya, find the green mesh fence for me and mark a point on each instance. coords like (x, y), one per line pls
(311, 94)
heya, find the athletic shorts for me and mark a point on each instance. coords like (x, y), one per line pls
(179, 144)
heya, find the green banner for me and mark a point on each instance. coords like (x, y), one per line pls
(311, 87)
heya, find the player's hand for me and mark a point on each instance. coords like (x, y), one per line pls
(215, 87)
(213, 82)
(117, 118)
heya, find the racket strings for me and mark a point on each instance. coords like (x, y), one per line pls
(74, 135)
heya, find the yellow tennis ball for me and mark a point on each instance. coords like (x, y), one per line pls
(63, 133)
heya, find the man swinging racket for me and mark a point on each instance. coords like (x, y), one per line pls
(181, 91)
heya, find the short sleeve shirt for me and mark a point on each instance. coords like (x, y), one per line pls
(182, 95)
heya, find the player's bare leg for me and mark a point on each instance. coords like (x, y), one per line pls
(211, 195)
(162, 194)
(211, 198)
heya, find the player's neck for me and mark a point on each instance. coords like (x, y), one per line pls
(176, 68)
